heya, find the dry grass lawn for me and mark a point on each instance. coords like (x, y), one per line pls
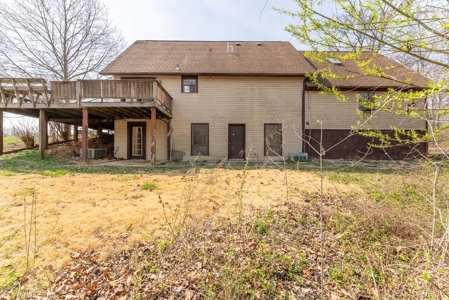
(104, 212)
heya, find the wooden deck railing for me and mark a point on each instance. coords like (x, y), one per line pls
(23, 90)
(110, 90)
(19, 91)
(64, 91)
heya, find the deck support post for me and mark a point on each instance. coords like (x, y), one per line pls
(100, 133)
(75, 133)
(169, 133)
(43, 133)
(1, 132)
(153, 135)
(85, 135)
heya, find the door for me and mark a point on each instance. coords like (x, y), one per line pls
(236, 141)
(137, 140)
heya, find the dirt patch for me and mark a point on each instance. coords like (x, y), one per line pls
(70, 151)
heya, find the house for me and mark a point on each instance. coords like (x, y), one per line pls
(211, 101)
(233, 99)
(228, 97)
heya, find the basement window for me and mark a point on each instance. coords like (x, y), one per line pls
(273, 139)
(200, 139)
(189, 84)
(366, 103)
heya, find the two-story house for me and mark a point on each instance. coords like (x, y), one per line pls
(230, 99)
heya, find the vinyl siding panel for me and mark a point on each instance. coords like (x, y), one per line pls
(224, 100)
(121, 138)
(342, 115)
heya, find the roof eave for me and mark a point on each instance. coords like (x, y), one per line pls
(202, 74)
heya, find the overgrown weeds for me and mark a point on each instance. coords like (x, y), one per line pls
(380, 241)
(273, 255)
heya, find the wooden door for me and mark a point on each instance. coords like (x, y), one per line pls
(137, 140)
(236, 141)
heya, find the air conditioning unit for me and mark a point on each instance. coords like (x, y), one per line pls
(94, 153)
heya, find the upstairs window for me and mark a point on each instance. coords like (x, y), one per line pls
(189, 84)
(273, 139)
(366, 103)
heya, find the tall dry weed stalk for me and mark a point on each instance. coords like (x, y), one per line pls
(30, 231)
(242, 185)
(186, 208)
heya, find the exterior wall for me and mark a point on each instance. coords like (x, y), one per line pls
(254, 101)
(342, 115)
(223, 100)
(121, 138)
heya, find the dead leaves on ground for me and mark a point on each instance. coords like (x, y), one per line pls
(269, 254)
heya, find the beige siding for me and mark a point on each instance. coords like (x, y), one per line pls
(223, 100)
(342, 115)
(121, 137)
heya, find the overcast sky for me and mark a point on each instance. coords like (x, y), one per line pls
(214, 20)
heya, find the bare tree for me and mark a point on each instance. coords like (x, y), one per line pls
(56, 39)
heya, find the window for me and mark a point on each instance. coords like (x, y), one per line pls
(334, 61)
(137, 145)
(200, 139)
(273, 140)
(189, 84)
(366, 102)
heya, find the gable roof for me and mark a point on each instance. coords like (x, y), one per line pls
(396, 75)
(209, 58)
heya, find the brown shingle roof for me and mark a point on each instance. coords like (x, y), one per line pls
(201, 57)
(397, 75)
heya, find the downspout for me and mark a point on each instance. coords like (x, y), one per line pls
(308, 119)
(171, 143)
(303, 116)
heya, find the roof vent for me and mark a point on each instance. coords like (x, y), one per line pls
(334, 61)
(259, 44)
